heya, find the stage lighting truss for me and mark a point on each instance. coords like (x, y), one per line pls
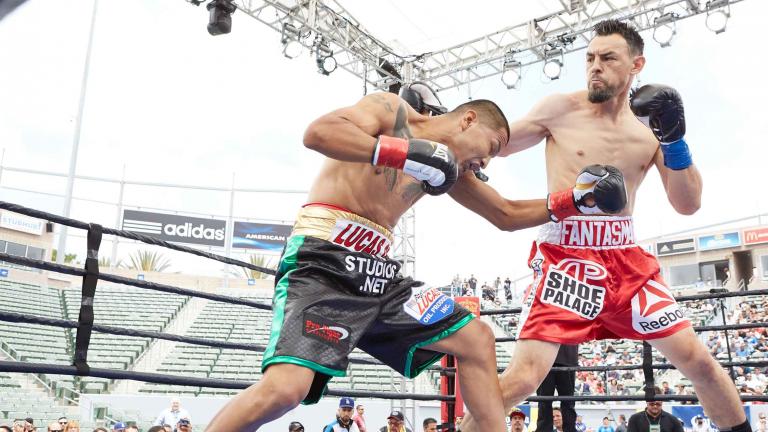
(360, 53)
(512, 71)
(553, 63)
(718, 12)
(291, 40)
(666, 29)
(326, 63)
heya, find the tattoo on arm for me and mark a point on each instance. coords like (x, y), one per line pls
(400, 130)
(382, 100)
(412, 192)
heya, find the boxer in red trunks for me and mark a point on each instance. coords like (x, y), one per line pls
(590, 279)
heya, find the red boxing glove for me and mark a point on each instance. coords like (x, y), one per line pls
(432, 163)
(599, 189)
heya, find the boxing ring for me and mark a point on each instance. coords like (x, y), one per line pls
(85, 326)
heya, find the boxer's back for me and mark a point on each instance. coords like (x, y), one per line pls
(583, 136)
(377, 193)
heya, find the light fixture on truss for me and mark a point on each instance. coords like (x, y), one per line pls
(326, 63)
(290, 39)
(511, 71)
(718, 12)
(220, 19)
(553, 63)
(665, 29)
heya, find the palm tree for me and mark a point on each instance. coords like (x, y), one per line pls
(68, 258)
(106, 262)
(148, 261)
(265, 261)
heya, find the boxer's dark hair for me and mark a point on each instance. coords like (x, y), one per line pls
(488, 113)
(612, 26)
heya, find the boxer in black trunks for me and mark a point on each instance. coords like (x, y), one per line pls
(337, 289)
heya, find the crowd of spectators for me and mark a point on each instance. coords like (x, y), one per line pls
(173, 419)
(749, 344)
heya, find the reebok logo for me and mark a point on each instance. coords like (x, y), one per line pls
(652, 299)
(654, 309)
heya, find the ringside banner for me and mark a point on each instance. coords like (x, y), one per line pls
(252, 235)
(176, 228)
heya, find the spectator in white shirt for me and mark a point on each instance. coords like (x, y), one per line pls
(172, 415)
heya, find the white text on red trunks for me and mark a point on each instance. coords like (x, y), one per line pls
(597, 233)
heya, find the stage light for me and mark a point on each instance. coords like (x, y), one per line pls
(290, 39)
(553, 63)
(718, 12)
(220, 18)
(665, 30)
(326, 63)
(511, 71)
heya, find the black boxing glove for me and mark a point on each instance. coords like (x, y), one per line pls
(432, 163)
(660, 107)
(599, 189)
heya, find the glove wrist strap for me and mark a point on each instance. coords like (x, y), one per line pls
(561, 206)
(677, 156)
(390, 152)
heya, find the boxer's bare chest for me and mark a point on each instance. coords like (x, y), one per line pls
(380, 194)
(582, 138)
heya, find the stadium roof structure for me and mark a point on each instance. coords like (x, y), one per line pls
(399, 41)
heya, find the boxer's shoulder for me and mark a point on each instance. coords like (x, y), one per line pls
(557, 105)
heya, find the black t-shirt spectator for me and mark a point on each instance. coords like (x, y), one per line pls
(568, 355)
(639, 422)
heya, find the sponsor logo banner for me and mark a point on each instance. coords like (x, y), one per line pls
(472, 304)
(251, 235)
(719, 241)
(673, 247)
(654, 309)
(567, 286)
(754, 236)
(176, 228)
(360, 238)
(17, 222)
(324, 330)
(428, 305)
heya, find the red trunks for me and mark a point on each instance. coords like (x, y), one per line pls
(592, 282)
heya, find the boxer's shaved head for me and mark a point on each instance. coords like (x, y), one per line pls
(488, 113)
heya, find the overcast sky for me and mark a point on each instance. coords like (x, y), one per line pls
(172, 104)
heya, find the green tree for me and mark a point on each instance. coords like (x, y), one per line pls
(106, 262)
(147, 261)
(257, 260)
(68, 258)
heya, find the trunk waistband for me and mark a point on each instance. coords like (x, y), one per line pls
(343, 228)
(590, 232)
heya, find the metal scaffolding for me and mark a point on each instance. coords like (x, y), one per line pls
(326, 23)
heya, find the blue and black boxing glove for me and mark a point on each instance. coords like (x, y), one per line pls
(660, 107)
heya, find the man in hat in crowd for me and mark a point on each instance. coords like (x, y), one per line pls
(654, 418)
(517, 420)
(395, 423)
(343, 420)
